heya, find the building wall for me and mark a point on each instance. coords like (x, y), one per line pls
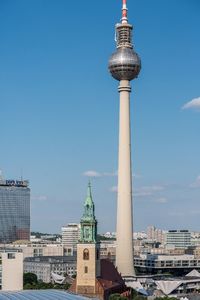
(87, 269)
(71, 235)
(44, 266)
(41, 270)
(34, 250)
(107, 249)
(12, 271)
(150, 262)
(14, 213)
(156, 234)
(178, 238)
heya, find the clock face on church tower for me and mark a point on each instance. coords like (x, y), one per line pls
(87, 233)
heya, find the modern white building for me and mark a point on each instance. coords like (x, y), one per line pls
(70, 235)
(154, 262)
(178, 238)
(11, 270)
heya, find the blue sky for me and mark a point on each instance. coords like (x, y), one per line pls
(59, 109)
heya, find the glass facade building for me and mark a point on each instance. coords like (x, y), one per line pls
(14, 211)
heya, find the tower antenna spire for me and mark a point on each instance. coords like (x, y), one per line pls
(124, 12)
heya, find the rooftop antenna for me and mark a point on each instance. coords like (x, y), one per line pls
(21, 175)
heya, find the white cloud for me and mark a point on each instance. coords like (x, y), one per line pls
(147, 190)
(196, 183)
(161, 200)
(92, 173)
(112, 174)
(176, 214)
(39, 198)
(136, 176)
(193, 104)
(195, 212)
(113, 189)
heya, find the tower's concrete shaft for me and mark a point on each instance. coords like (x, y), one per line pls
(124, 66)
(124, 250)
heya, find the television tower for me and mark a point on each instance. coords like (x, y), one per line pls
(124, 66)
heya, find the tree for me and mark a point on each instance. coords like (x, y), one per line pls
(139, 297)
(28, 286)
(134, 293)
(117, 297)
(30, 278)
(165, 298)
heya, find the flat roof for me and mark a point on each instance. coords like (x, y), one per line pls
(12, 182)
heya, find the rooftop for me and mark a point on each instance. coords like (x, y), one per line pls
(11, 182)
(40, 295)
(51, 259)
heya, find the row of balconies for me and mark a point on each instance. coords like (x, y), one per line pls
(166, 264)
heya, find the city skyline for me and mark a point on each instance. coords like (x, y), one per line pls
(57, 134)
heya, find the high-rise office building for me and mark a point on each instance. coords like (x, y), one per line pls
(70, 235)
(178, 238)
(14, 210)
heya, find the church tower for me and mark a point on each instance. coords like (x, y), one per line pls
(88, 261)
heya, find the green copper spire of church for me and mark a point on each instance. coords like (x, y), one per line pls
(88, 220)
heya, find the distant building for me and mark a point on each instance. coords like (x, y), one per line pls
(109, 235)
(178, 238)
(195, 238)
(14, 210)
(108, 250)
(11, 270)
(44, 266)
(38, 249)
(185, 286)
(140, 235)
(155, 234)
(70, 235)
(156, 263)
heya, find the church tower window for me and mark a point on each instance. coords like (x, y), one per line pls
(86, 254)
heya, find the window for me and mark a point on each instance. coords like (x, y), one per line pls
(11, 255)
(86, 254)
(86, 270)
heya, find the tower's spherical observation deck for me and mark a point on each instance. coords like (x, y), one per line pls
(124, 64)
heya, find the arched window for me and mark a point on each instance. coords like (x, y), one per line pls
(86, 269)
(86, 254)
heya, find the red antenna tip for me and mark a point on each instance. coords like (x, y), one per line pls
(124, 12)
